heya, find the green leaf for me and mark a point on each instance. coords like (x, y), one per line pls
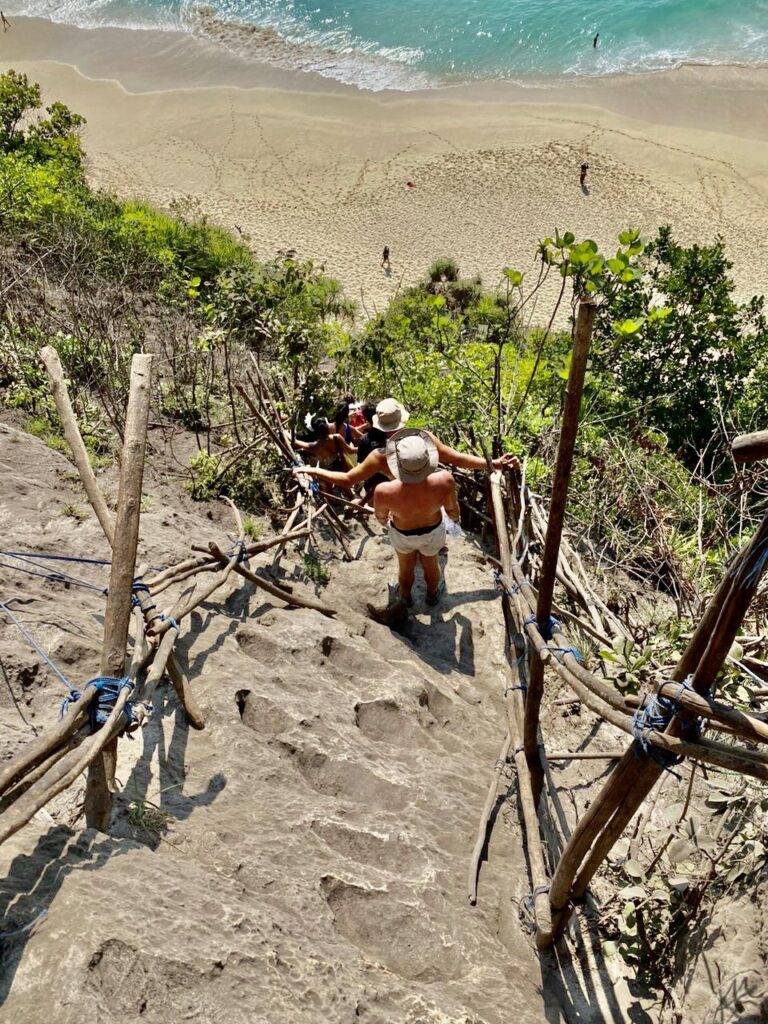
(679, 882)
(681, 850)
(610, 949)
(514, 276)
(633, 869)
(615, 265)
(673, 812)
(633, 892)
(628, 326)
(569, 238)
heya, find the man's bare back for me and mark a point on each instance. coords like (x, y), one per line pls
(416, 505)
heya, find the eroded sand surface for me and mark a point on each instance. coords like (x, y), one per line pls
(318, 835)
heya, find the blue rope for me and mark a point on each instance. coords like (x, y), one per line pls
(243, 555)
(504, 586)
(546, 629)
(99, 710)
(167, 618)
(523, 687)
(30, 639)
(57, 558)
(655, 716)
(138, 587)
(108, 690)
(562, 651)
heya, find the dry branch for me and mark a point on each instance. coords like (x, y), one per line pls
(66, 413)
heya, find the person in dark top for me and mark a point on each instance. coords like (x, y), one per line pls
(385, 257)
(594, 41)
(371, 439)
(583, 175)
(341, 423)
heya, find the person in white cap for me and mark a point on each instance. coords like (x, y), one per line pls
(391, 417)
(411, 505)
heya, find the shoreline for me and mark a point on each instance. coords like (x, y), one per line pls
(295, 160)
(193, 62)
(229, 62)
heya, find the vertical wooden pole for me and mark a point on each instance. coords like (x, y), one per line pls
(513, 699)
(98, 796)
(585, 318)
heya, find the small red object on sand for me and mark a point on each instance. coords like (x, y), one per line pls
(410, 184)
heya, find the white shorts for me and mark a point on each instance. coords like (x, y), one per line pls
(427, 544)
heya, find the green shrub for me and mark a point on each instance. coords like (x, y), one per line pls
(314, 569)
(443, 269)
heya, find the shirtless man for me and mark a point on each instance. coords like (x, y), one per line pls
(391, 417)
(411, 505)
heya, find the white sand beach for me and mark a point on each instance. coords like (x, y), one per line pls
(296, 161)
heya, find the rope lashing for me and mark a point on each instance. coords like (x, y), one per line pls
(139, 587)
(31, 640)
(527, 914)
(109, 689)
(502, 584)
(314, 486)
(239, 546)
(546, 629)
(523, 687)
(562, 651)
(654, 716)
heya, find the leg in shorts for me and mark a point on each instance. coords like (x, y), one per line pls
(412, 547)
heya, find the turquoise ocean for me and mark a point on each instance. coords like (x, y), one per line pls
(410, 44)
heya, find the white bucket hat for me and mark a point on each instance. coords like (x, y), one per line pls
(390, 416)
(411, 456)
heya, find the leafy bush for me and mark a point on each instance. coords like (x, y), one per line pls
(703, 362)
(443, 269)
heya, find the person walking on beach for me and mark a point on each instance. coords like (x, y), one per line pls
(583, 175)
(385, 258)
(594, 41)
(6, 24)
(411, 506)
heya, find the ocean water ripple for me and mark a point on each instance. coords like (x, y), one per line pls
(411, 44)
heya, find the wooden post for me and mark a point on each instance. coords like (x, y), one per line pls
(66, 413)
(585, 318)
(98, 797)
(515, 707)
(634, 777)
(750, 447)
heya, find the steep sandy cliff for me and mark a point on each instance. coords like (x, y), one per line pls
(304, 858)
